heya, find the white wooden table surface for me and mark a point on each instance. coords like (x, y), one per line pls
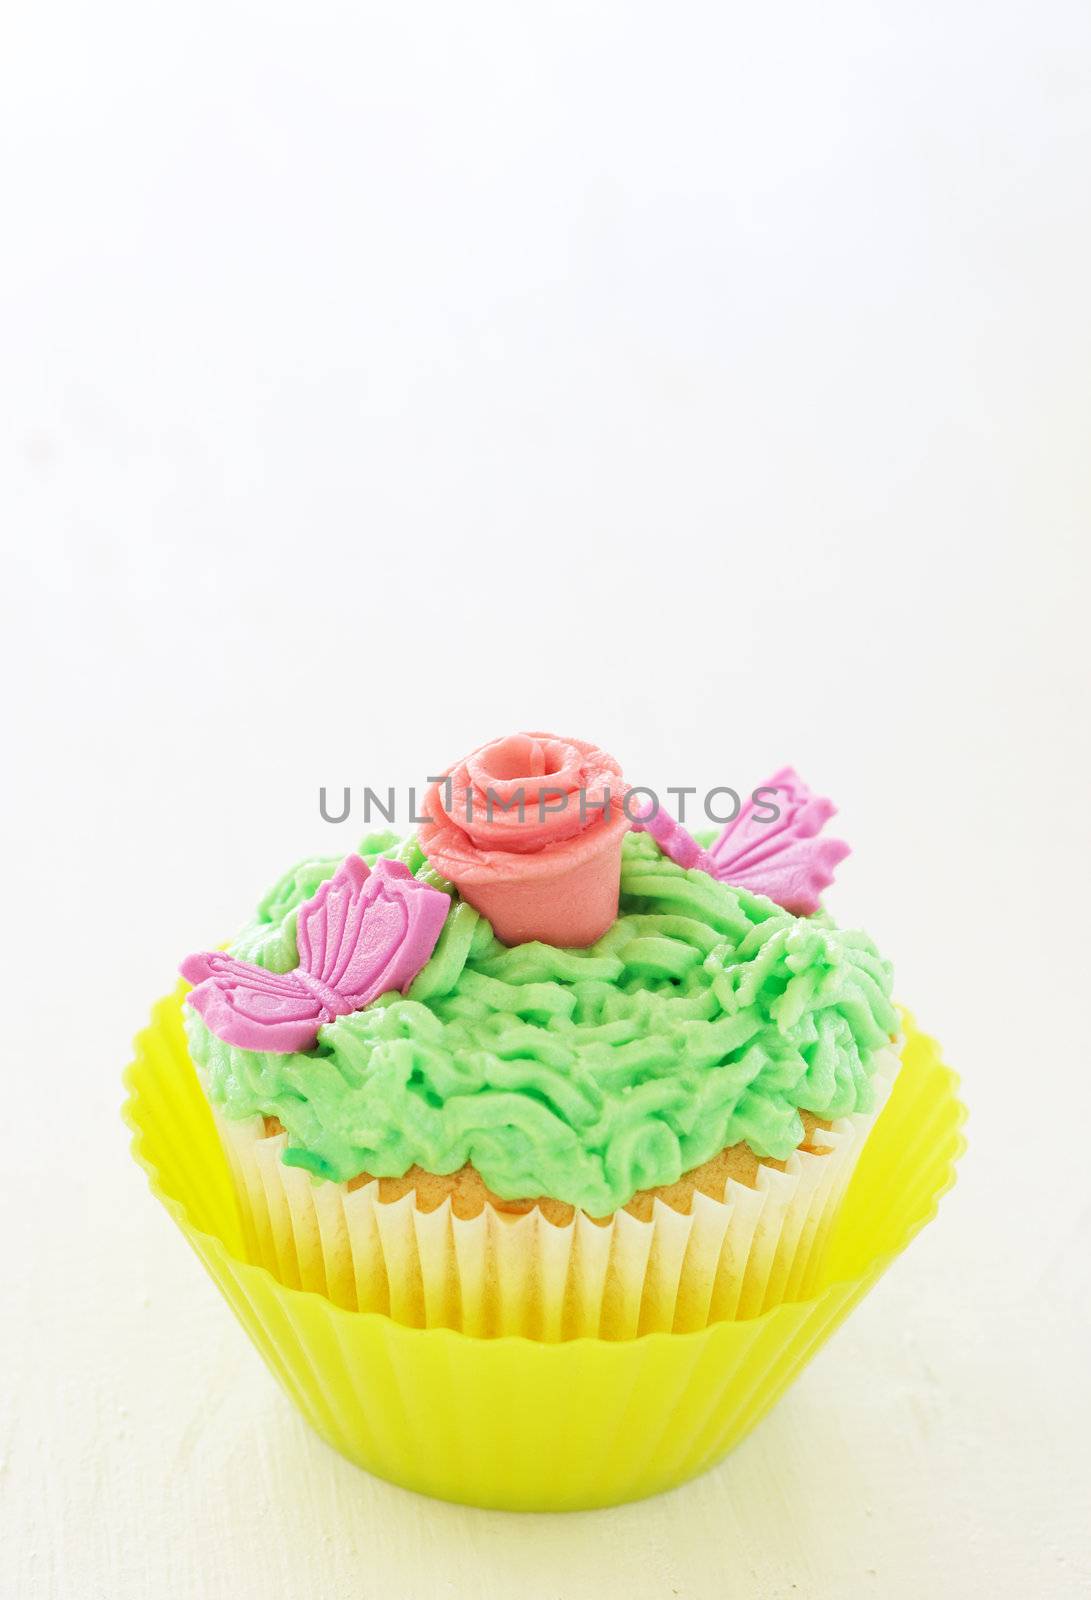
(714, 385)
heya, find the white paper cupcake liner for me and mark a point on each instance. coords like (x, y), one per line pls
(497, 1274)
(522, 1423)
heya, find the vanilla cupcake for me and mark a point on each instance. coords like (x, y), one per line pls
(550, 1066)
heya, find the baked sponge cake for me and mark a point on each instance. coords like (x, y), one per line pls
(550, 1065)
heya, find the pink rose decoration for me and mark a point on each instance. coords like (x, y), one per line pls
(784, 860)
(529, 830)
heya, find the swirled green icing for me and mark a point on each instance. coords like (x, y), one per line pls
(704, 1017)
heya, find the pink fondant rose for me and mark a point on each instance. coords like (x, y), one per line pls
(529, 830)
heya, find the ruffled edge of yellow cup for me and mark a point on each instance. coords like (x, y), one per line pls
(510, 1421)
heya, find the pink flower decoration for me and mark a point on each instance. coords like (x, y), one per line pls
(784, 860)
(529, 830)
(362, 934)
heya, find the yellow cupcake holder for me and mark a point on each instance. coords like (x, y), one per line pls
(511, 1422)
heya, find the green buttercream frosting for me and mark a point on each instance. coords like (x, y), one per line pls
(705, 1017)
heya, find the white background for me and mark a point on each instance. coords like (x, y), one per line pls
(711, 382)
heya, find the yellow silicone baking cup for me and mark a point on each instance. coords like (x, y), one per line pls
(511, 1422)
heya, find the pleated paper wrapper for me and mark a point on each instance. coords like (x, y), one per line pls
(535, 1424)
(499, 1273)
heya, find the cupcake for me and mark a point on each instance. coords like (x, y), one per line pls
(551, 1065)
